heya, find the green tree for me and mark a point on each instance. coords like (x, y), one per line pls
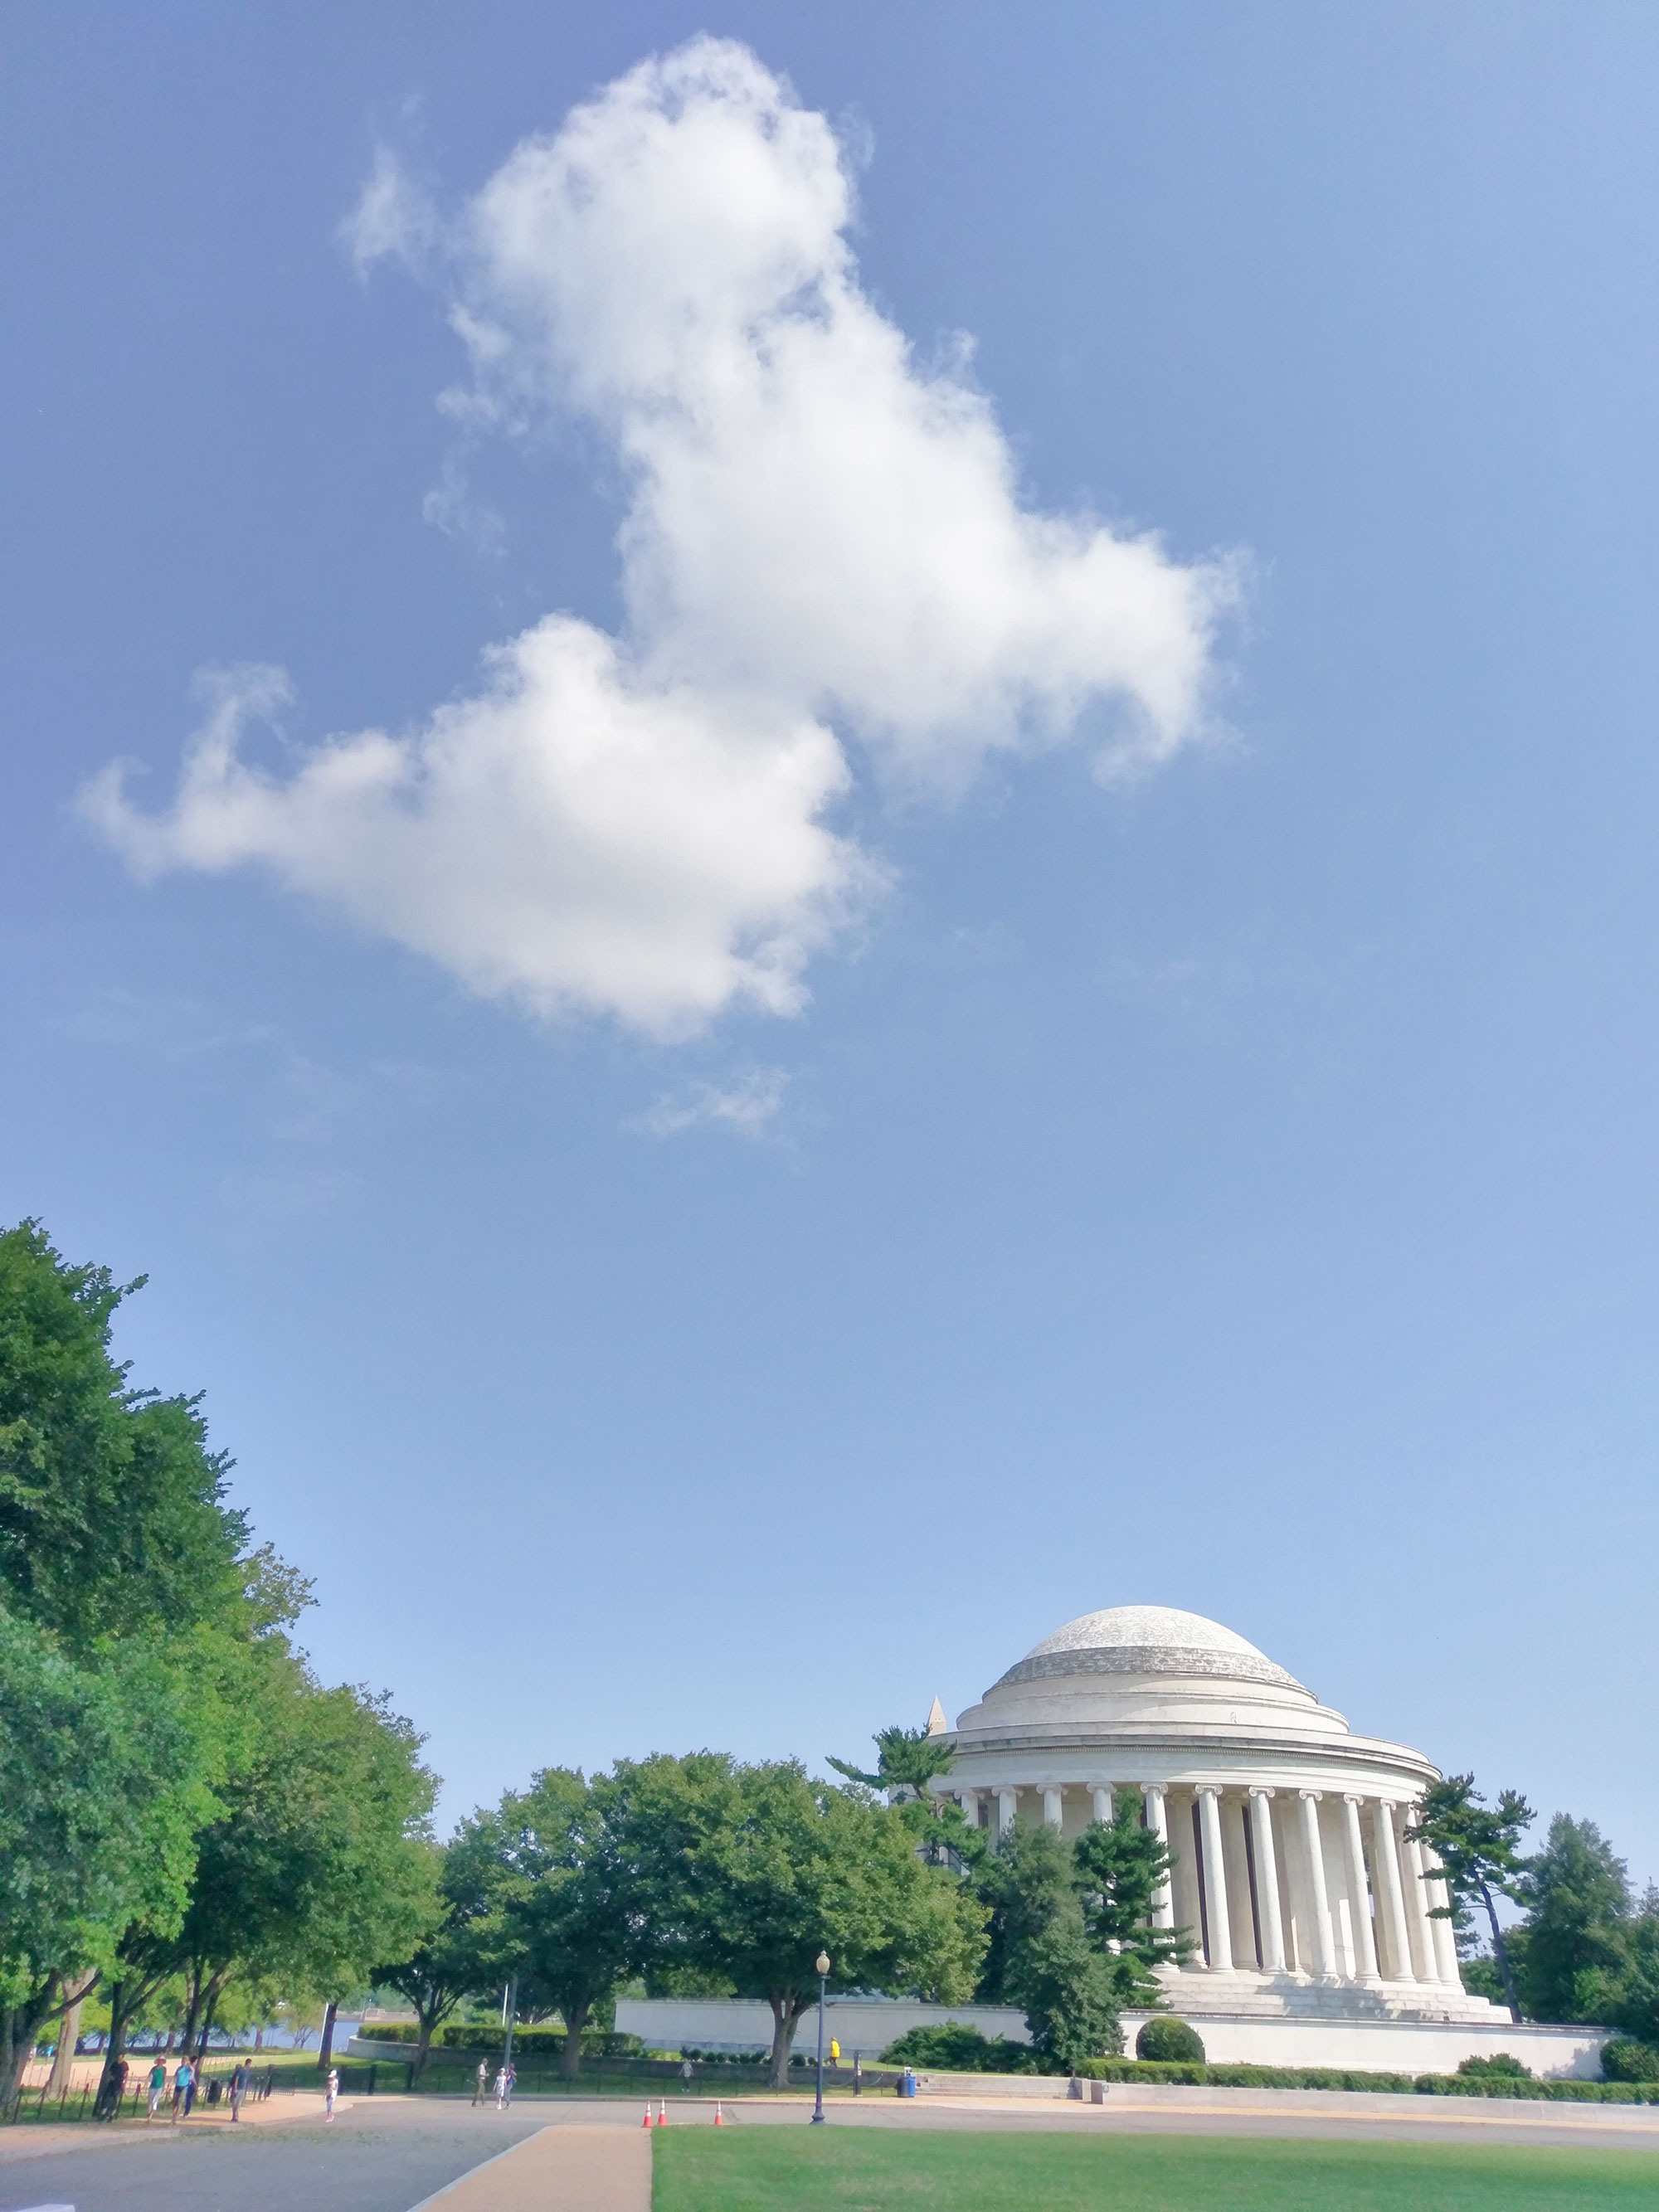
(316, 1862)
(907, 1759)
(1576, 1893)
(1121, 1865)
(742, 1875)
(1040, 1955)
(119, 1585)
(1479, 1848)
(459, 1955)
(102, 1784)
(570, 1928)
(1635, 2006)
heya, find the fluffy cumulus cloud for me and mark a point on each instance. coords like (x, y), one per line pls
(824, 544)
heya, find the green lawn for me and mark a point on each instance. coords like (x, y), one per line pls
(767, 2169)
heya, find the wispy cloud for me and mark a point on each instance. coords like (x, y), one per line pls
(747, 1106)
(825, 538)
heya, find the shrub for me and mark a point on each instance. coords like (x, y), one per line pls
(954, 2046)
(1171, 2040)
(1624, 2059)
(1499, 2066)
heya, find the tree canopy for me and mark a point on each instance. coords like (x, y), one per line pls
(744, 1873)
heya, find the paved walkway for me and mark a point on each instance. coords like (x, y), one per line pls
(593, 2168)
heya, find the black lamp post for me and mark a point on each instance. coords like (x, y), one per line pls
(821, 1964)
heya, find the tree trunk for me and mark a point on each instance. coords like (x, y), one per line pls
(427, 2022)
(786, 2009)
(121, 2006)
(22, 2023)
(325, 2048)
(69, 2034)
(210, 2005)
(575, 2019)
(1500, 1952)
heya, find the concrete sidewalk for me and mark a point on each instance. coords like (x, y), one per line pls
(593, 2168)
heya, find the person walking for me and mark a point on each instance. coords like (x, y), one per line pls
(158, 2087)
(184, 2089)
(481, 2083)
(239, 2081)
(503, 2089)
(332, 2090)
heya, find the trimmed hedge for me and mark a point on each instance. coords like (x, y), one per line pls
(956, 2046)
(479, 2041)
(1332, 2077)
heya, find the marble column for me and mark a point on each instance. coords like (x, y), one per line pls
(1266, 1882)
(1102, 1803)
(1385, 1849)
(1416, 1913)
(1052, 1814)
(1157, 1821)
(1183, 1881)
(1319, 1902)
(969, 1800)
(1359, 1900)
(1446, 1935)
(1007, 1801)
(1215, 1883)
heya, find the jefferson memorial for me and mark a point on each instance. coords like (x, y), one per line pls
(1309, 1912)
(1292, 1869)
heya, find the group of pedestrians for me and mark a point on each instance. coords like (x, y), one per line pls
(507, 2078)
(186, 2086)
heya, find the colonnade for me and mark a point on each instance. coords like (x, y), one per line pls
(1318, 1883)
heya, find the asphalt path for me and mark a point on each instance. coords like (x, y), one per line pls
(392, 2154)
(384, 2156)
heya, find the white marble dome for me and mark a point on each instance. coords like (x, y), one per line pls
(1133, 1666)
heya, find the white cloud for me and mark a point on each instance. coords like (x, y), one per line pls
(822, 540)
(746, 1106)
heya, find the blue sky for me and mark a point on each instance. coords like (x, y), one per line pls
(1157, 1107)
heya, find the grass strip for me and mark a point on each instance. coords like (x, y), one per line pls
(870, 2170)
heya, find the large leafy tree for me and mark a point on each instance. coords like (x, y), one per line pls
(743, 1874)
(1577, 1893)
(570, 1923)
(119, 1588)
(460, 1953)
(1479, 1848)
(316, 1861)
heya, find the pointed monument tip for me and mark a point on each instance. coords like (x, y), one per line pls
(937, 1723)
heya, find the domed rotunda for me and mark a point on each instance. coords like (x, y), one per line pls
(1292, 1869)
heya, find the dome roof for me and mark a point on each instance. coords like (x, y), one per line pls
(1147, 1639)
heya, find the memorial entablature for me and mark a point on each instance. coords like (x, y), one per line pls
(1291, 1868)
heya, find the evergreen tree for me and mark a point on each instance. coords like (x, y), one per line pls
(1478, 1847)
(1040, 1955)
(1576, 1893)
(1121, 1865)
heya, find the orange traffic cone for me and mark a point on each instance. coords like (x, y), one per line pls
(662, 2114)
(648, 2111)
(720, 2118)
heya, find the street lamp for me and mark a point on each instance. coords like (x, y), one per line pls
(821, 1966)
